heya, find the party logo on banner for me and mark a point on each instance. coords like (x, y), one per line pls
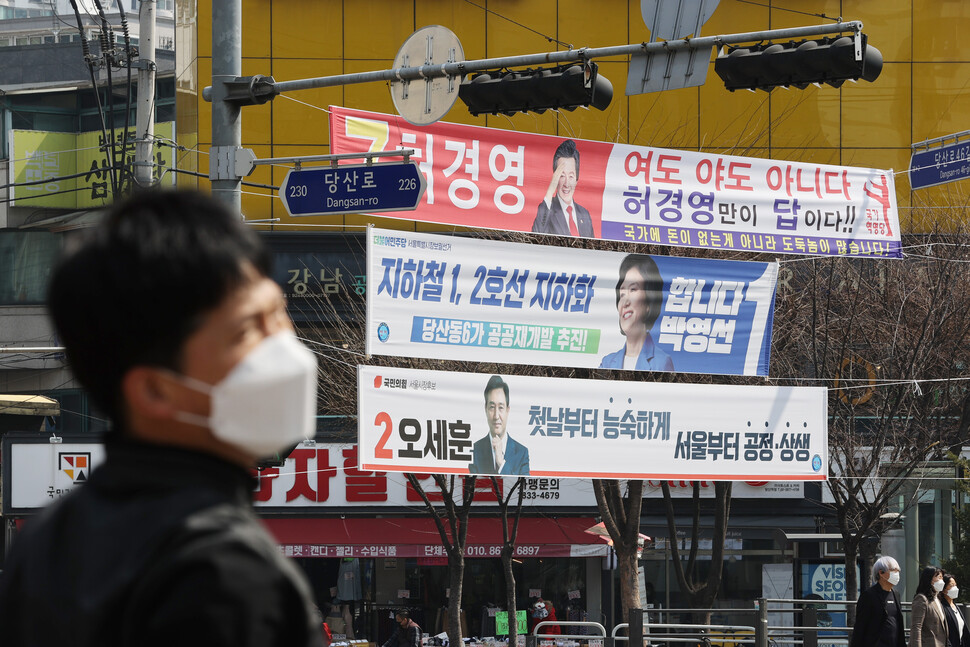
(500, 179)
(449, 297)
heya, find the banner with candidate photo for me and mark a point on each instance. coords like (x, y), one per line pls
(444, 422)
(453, 297)
(501, 179)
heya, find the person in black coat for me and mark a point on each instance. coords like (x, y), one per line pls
(879, 617)
(408, 633)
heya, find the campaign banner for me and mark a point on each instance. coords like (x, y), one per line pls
(502, 179)
(443, 422)
(450, 297)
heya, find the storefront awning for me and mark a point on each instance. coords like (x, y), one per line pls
(418, 537)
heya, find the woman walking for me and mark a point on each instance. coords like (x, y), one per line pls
(958, 634)
(928, 622)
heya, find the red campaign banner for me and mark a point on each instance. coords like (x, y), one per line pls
(484, 177)
(499, 179)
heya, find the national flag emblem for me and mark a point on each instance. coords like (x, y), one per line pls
(76, 466)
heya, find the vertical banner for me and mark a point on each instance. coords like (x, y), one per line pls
(450, 297)
(500, 179)
(438, 422)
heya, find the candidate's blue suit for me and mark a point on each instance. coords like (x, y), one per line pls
(516, 458)
(650, 358)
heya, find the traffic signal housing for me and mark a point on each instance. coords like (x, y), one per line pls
(766, 66)
(565, 87)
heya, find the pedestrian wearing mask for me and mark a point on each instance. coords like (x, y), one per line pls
(879, 618)
(958, 634)
(928, 628)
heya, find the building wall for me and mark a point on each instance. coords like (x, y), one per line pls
(921, 94)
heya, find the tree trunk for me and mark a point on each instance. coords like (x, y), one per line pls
(629, 570)
(456, 571)
(510, 603)
(851, 582)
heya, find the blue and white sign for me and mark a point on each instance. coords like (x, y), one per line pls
(940, 165)
(453, 297)
(354, 188)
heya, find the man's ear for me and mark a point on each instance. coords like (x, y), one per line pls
(148, 392)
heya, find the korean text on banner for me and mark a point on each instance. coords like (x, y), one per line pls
(499, 179)
(437, 422)
(450, 297)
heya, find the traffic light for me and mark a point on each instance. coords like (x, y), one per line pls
(798, 64)
(536, 90)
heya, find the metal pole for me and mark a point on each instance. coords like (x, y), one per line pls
(145, 108)
(464, 67)
(226, 121)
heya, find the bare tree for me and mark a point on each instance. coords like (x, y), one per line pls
(451, 519)
(621, 516)
(510, 529)
(893, 335)
(700, 593)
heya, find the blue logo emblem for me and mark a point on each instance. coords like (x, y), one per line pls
(383, 332)
(816, 462)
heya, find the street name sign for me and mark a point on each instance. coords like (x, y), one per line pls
(353, 188)
(939, 165)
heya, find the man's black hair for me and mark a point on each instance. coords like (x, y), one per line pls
(404, 613)
(496, 382)
(566, 149)
(133, 289)
(653, 284)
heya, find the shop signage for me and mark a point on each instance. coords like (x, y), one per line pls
(440, 422)
(35, 480)
(447, 297)
(515, 181)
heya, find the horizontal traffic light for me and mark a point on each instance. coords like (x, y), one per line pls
(798, 64)
(536, 90)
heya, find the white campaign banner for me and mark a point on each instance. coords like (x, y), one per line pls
(439, 422)
(452, 297)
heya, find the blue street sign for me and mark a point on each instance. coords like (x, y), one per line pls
(357, 188)
(939, 165)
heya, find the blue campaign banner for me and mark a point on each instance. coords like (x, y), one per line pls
(450, 297)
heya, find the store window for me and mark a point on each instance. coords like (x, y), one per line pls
(26, 258)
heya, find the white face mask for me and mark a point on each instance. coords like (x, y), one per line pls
(893, 577)
(953, 593)
(938, 585)
(268, 401)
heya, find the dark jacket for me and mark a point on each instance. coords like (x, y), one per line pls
(160, 547)
(552, 219)
(870, 617)
(409, 636)
(483, 459)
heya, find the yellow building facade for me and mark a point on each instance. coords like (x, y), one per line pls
(922, 93)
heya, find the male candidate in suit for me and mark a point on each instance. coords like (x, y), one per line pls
(496, 453)
(558, 213)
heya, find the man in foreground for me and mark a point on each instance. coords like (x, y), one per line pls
(175, 330)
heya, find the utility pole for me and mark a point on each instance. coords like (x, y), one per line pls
(145, 108)
(226, 123)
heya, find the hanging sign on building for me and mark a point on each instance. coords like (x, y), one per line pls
(73, 170)
(514, 181)
(444, 422)
(448, 297)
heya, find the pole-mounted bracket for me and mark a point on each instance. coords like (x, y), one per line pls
(230, 162)
(246, 90)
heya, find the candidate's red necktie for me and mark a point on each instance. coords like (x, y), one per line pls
(572, 225)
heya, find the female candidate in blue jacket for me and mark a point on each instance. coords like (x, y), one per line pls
(639, 296)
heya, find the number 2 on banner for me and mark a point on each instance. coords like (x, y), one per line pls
(381, 451)
(378, 132)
